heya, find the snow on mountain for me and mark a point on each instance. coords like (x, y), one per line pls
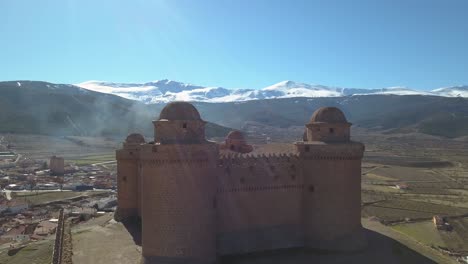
(293, 89)
(393, 90)
(164, 91)
(455, 91)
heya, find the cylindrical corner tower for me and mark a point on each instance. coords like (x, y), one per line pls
(332, 183)
(128, 177)
(178, 190)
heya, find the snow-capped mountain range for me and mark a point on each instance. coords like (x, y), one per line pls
(164, 91)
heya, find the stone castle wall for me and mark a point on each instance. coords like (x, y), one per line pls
(128, 183)
(178, 198)
(332, 197)
(259, 203)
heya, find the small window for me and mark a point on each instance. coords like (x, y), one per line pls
(232, 147)
(124, 178)
(307, 148)
(184, 125)
(332, 130)
(155, 149)
(242, 180)
(293, 177)
(311, 188)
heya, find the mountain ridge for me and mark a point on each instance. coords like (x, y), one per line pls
(63, 109)
(164, 91)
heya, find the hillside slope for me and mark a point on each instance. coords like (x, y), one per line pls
(432, 115)
(62, 109)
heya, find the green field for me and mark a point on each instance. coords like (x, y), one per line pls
(426, 233)
(87, 160)
(399, 209)
(34, 198)
(423, 232)
(35, 253)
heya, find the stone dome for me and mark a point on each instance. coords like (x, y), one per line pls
(179, 111)
(135, 138)
(328, 115)
(235, 135)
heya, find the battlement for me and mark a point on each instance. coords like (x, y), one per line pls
(234, 159)
(334, 151)
(259, 172)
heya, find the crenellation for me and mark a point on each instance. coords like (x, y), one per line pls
(208, 203)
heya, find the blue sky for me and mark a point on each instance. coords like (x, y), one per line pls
(421, 44)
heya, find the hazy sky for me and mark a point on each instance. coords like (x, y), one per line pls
(421, 44)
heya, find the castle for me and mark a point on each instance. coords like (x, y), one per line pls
(196, 204)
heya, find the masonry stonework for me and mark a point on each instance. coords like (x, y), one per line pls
(196, 204)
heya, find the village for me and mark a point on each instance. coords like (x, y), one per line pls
(33, 191)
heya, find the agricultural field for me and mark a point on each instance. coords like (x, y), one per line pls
(36, 198)
(401, 209)
(407, 180)
(92, 159)
(425, 233)
(69, 147)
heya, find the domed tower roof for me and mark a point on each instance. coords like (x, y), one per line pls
(235, 135)
(328, 115)
(179, 111)
(135, 139)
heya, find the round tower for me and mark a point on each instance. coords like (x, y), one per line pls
(128, 177)
(328, 124)
(179, 123)
(332, 182)
(235, 141)
(178, 189)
